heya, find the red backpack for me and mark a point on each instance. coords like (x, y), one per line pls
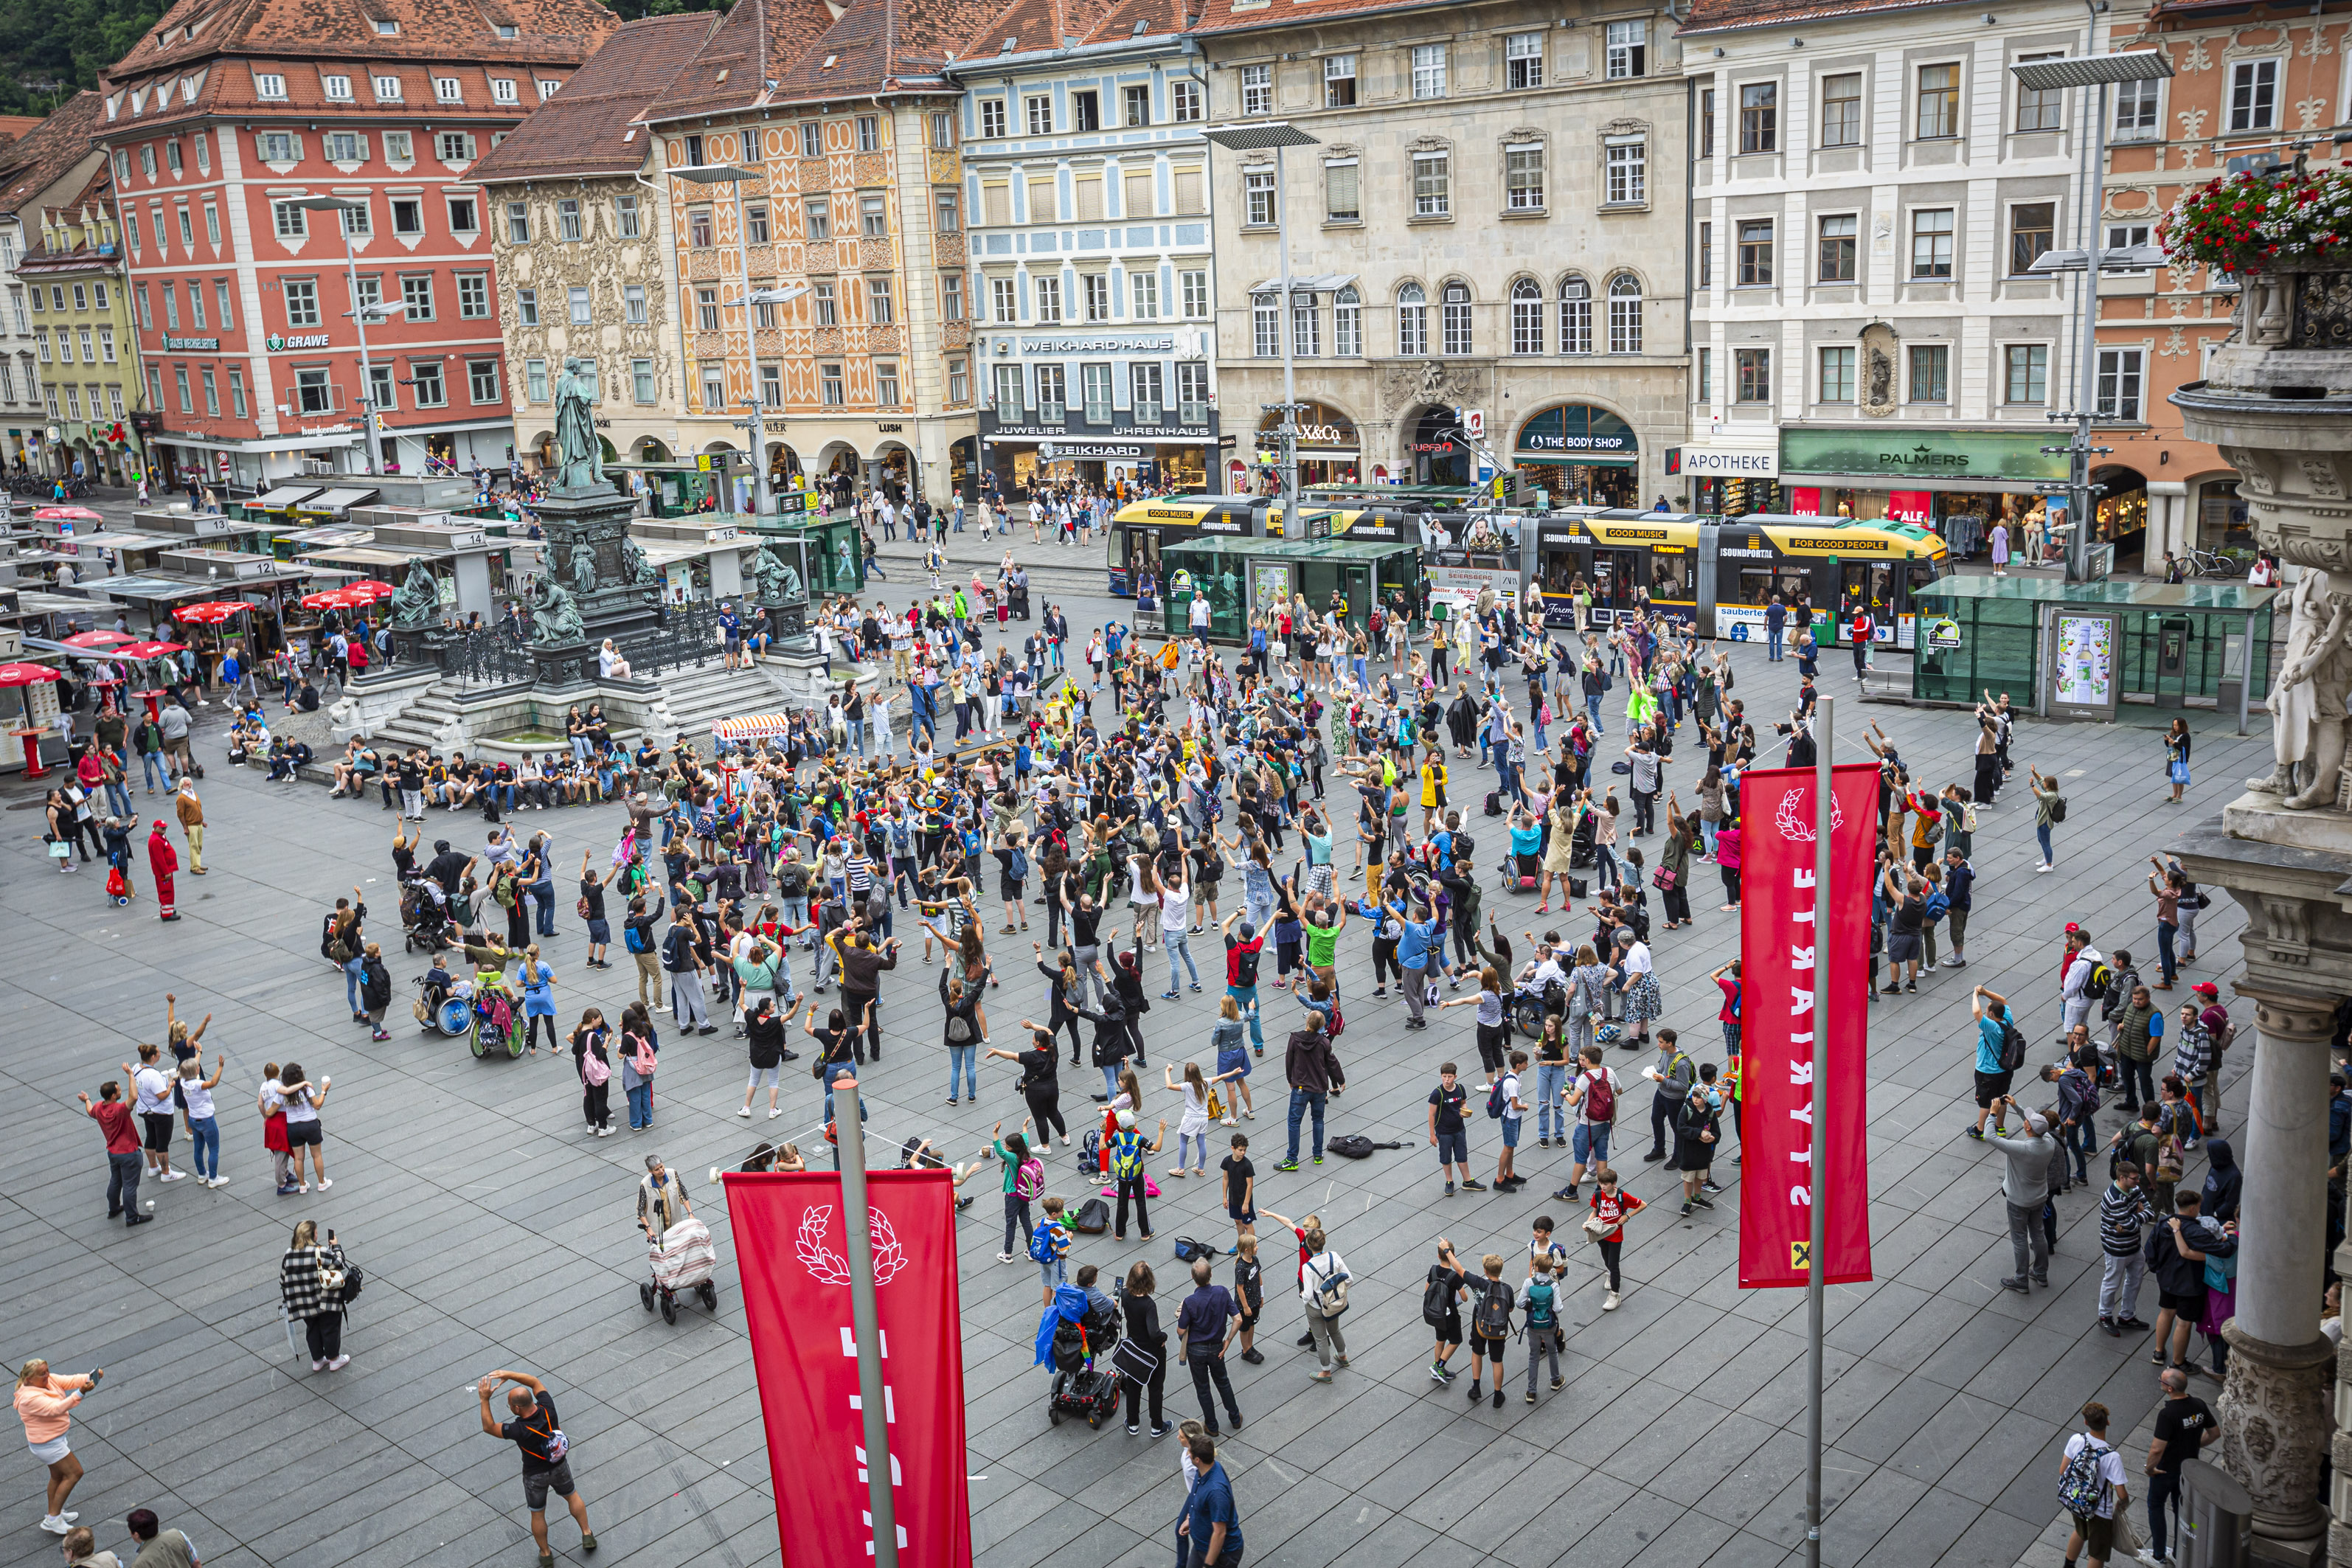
(1600, 1098)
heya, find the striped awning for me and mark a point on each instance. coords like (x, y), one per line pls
(750, 727)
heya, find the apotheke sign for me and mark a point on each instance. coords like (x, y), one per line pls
(1725, 463)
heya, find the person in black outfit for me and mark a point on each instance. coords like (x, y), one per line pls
(1067, 989)
(1040, 1086)
(1143, 1327)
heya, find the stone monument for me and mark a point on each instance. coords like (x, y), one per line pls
(2277, 401)
(595, 582)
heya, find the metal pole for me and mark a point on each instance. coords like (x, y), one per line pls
(2078, 497)
(873, 1403)
(2246, 675)
(760, 500)
(1290, 529)
(359, 320)
(1816, 1292)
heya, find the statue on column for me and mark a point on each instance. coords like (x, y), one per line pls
(2307, 698)
(583, 568)
(580, 455)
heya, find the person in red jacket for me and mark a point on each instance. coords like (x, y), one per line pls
(122, 1158)
(163, 861)
(1862, 632)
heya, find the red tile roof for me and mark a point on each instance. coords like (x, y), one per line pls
(588, 128)
(169, 75)
(872, 47)
(46, 154)
(1248, 15)
(1040, 24)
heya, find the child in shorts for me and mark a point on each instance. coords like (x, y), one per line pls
(1051, 1248)
(1249, 1298)
(1240, 1192)
(1492, 1302)
(1446, 1272)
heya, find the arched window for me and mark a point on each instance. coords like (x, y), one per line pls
(1266, 327)
(1457, 319)
(1413, 322)
(1575, 316)
(1624, 314)
(1348, 323)
(1526, 318)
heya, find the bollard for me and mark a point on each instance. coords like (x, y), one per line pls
(2216, 1518)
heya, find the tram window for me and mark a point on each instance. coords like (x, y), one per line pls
(1560, 572)
(1613, 576)
(1916, 577)
(1755, 585)
(1793, 580)
(1864, 584)
(1670, 576)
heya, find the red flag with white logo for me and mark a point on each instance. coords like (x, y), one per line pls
(796, 1268)
(1786, 925)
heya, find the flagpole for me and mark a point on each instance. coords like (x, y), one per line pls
(873, 1401)
(1816, 1292)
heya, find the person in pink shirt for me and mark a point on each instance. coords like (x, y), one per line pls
(45, 1402)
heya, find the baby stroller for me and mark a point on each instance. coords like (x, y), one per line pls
(1529, 1003)
(497, 1015)
(1077, 1334)
(445, 1003)
(684, 1259)
(424, 916)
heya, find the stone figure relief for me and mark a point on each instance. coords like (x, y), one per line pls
(554, 614)
(2307, 697)
(634, 564)
(418, 598)
(583, 568)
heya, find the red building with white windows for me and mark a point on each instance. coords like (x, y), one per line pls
(230, 112)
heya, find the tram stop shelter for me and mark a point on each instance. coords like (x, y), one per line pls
(2084, 649)
(1241, 576)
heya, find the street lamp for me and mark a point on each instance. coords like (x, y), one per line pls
(1252, 138)
(2096, 72)
(361, 314)
(758, 423)
(730, 174)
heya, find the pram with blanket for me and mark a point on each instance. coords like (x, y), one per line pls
(1074, 1339)
(424, 915)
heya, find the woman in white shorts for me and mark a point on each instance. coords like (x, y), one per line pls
(45, 1402)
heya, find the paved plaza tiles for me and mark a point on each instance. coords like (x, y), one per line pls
(494, 1234)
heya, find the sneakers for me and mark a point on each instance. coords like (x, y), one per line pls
(56, 1524)
(1653, 1156)
(1437, 1372)
(1007, 1257)
(1319, 1159)
(1609, 1302)
(318, 1364)
(1319, 1375)
(1687, 1210)
(1132, 1429)
(1473, 1186)
(1162, 1430)
(1565, 1195)
(1285, 1164)
(1498, 1399)
(324, 1183)
(745, 1113)
(1531, 1396)
(1704, 1201)
(338, 1362)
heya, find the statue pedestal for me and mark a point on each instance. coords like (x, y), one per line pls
(612, 585)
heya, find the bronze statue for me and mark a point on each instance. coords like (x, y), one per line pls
(417, 599)
(580, 454)
(554, 614)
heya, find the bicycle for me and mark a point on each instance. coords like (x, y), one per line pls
(2198, 562)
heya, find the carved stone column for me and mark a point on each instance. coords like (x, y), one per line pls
(2273, 1409)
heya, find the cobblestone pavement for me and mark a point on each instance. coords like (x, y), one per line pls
(494, 1233)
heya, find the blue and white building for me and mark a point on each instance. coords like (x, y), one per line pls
(1094, 292)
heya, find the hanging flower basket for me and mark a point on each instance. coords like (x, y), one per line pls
(2264, 223)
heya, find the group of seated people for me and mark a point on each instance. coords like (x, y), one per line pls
(456, 782)
(249, 740)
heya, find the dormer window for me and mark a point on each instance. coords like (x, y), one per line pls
(387, 29)
(506, 30)
(502, 90)
(387, 88)
(337, 89)
(268, 84)
(547, 89)
(449, 90)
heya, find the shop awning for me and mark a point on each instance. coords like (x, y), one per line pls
(752, 727)
(1314, 283)
(86, 542)
(363, 556)
(326, 538)
(157, 589)
(283, 497)
(336, 501)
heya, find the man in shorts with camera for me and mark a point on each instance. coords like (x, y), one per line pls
(546, 1454)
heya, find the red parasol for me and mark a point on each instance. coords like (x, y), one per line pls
(66, 514)
(212, 613)
(366, 588)
(26, 674)
(148, 650)
(98, 641)
(333, 599)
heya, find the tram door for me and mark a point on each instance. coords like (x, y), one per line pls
(1613, 580)
(1867, 584)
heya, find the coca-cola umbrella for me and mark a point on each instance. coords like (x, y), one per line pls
(333, 599)
(66, 514)
(26, 674)
(367, 588)
(143, 651)
(98, 641)
(211, 612)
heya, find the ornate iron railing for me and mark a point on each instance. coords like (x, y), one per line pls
(486, 657)
(688, 635)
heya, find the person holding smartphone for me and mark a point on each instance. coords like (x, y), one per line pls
(45, 1404)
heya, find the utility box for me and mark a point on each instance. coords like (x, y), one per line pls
(2217, 1517)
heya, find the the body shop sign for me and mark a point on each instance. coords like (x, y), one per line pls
(1577, 432)
(1914, 460)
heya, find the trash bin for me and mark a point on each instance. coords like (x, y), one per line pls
(2216, 1518)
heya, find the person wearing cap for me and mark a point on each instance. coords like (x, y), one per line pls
(2075, 971)
(2216, 1019)
(1242, 955)
(2024, 1188)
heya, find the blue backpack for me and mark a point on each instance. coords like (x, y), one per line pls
(1040, 1243)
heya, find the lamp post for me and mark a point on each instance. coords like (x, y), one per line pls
(2096, 72)
(1256, 137)
(730, 174)
(360, 315)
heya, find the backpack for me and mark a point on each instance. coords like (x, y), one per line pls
(1495, 1100)
(593, 1071)
(1020, 865)
(1492, 1316)
(634, 939)
(1187, 1249)
(1126, 1154)
(1352, 1146)
(1494, 806)
(1029, 1179)
(1245, 963)
(643, 1058)
(959, 1029)
(1090, 1153)
(1540, 1315)
(1094, 1217)
(1437, 1302)
(1937, 906)
(1329, 1297)
(1934, 830)
(2057, 809)
(1600, 1098)
(2012, 1045)
(1041, 1242)
(2081, 1487)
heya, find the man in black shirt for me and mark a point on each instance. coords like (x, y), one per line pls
(1205, 1320)
(546, 1454)
(2184, 1425)
(449, 867)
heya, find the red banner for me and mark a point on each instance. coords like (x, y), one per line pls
(1786, 924)
(796, 1268)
